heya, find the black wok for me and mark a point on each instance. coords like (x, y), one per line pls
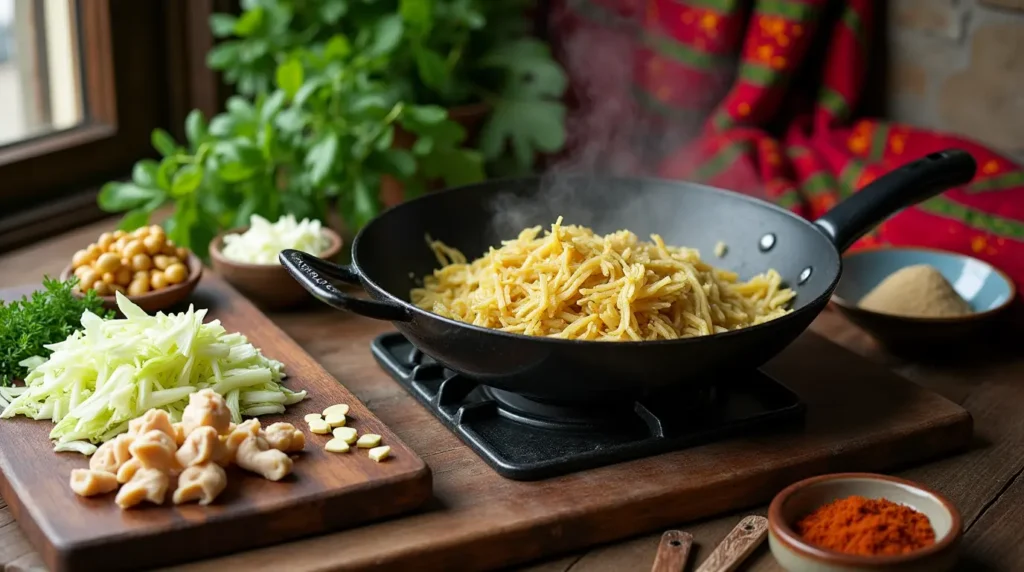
(390, 254)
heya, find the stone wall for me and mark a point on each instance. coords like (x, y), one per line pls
(958, 66)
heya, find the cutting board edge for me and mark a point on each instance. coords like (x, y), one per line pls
(561, 534)
(74, 556)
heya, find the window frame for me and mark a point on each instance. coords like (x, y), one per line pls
(143, 65)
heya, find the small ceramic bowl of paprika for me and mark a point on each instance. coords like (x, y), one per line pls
(796, 554)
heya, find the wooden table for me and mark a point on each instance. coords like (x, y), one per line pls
(986, 482)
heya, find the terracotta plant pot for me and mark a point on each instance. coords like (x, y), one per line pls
(470, 117)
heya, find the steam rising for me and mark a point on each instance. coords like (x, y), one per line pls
(609, 134)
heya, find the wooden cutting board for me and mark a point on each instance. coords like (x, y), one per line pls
(860, 417)
(327, 490)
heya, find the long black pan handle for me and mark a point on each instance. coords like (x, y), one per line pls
(895, 191)
(316, 275)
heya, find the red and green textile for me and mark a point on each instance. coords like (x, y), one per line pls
(768, 89)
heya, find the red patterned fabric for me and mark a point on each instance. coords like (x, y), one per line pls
(757, 97)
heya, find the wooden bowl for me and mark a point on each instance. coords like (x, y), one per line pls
(157, 300)
(799, 499)
(268, 285)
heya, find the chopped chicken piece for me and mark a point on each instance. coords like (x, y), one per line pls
(285, 437)
(200, 482)
(146, 485)
(202, 445)
(155, 450)
(206, 409)
(249, 428)
(111, 455)
(255, 455)
(128, 470)
(154, 419)
(87, 482)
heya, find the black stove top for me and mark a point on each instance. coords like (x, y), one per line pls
(524, 439)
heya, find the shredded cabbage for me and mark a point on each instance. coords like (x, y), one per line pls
(263, 241)
(112, 371)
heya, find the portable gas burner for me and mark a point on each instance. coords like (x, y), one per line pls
(525, 439)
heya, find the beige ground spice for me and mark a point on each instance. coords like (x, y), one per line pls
(919, 291)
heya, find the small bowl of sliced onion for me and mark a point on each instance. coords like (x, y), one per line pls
(247, 257)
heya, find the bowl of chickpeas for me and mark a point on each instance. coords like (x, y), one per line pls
(142, 264)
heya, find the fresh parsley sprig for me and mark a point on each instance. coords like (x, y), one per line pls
(46, 317)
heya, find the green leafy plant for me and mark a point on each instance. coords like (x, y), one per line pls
(322, 133)
(447, 52)
(46, 317)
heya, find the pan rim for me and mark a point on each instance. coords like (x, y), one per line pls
(820, 301)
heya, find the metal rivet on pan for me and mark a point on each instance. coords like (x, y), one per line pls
(767, 242)
(805, 274)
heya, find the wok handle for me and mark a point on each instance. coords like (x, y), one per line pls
(316, 275)
(894, 191)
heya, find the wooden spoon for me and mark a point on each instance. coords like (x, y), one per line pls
(673, 552)
(737, 545)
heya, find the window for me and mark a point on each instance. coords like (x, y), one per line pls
(82, 85)
(40, 83)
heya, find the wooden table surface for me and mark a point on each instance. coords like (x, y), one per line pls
(985, 483)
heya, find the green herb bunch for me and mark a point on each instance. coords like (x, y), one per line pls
(325, 86)
(47, 317)
(322, 135)
(448, 52)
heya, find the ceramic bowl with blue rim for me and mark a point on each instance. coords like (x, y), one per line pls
(984, 287)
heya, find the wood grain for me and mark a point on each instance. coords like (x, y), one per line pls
(862, 417)
(673, 552)
(327, 491)
(737, 545)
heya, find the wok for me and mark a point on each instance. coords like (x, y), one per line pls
(390, 255)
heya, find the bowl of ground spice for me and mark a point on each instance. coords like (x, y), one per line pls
(916, 297)
(850, 522)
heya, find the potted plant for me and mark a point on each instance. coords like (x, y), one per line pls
(336, 98)
(476, 58)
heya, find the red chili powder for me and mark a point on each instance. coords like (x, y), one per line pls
(869, 527)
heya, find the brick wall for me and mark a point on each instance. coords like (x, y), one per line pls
(958, 66)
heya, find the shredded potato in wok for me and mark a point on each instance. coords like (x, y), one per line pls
(572, 283)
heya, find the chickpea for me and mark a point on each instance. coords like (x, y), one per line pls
(141, 232)
(123, 276)
(82, 270)
(117, 288)
(142, 262)
(94, 251)
(153, 244)
(176, 273)
(138, 287)
(141, 275)
(157, 280)
(80, 258)
(88, 277)
(126, 262)
(156, 230)
(182, 253)
(108, 278)
(105, 240)
(119, 244)
(101, 288)
(132, 248)
(108, 262)
(169, 249)
(118, 234)
(161, 262)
